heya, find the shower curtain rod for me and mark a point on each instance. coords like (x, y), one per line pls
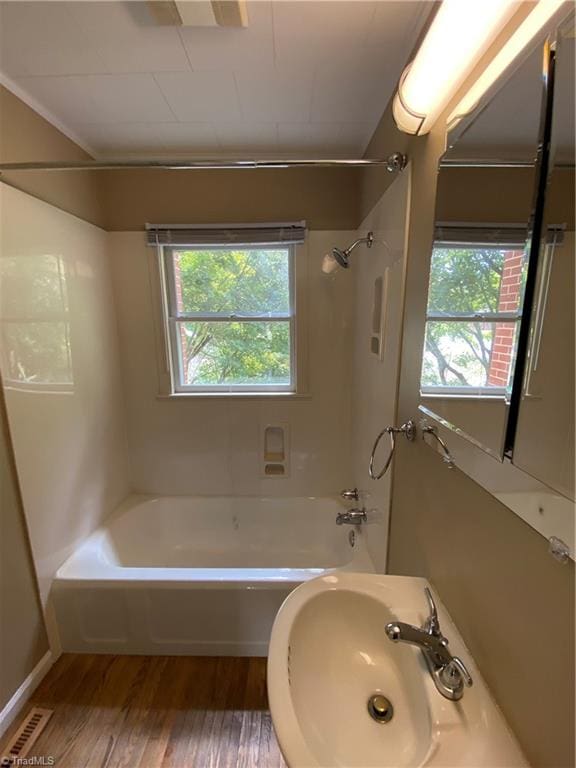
(394, 162)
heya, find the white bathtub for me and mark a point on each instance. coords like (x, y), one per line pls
(193, 575)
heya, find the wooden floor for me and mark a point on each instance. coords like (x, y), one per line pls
(156, 712)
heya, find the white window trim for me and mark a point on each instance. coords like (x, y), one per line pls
(440, 392)
(170, 369)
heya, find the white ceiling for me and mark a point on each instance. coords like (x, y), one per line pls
(304, 78)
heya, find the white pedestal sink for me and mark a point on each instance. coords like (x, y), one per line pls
(329, 654)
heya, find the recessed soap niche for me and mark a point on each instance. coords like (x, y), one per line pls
(275, 454)
(379, 314)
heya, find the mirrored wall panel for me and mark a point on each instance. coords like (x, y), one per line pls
(486, 192)
(497, 382)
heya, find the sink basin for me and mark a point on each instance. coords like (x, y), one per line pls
(329, 655)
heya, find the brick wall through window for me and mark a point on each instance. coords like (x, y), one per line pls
(508, 301)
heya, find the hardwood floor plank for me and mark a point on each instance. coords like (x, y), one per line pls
(170, 706)
(270, 755)
(249, 747)
(185, 738)
(95, 719)
(229, 699)
(255, 694)
(156, 712)
(131, 740)
(67, 698)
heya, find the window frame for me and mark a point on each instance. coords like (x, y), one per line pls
(513, 318)
(171, 320)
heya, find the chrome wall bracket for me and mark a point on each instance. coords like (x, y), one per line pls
(558, 549)
(408, 429)
(396, 162)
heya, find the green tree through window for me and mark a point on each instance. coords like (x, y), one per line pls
(232, 317)
(474, 304)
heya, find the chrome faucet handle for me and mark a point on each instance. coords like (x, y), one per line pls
(350, 494)
(432, 623)
(456, 670)
(351, 517)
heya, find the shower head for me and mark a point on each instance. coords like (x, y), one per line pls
(340, 258)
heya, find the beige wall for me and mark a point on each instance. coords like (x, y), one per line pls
(326, 197)
(23, 641)
(492, 195)
(493, 571)
(69, 439)
(26, 136)
(203, 445)
(499, 195)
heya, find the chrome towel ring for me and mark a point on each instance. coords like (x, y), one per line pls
(409, 429)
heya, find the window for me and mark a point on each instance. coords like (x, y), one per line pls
(230, 318)
(474, 310)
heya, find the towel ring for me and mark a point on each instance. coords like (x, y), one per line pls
(409, 429)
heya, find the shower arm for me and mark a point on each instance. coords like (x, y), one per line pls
(369, 239)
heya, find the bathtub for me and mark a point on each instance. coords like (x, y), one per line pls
(196, 575)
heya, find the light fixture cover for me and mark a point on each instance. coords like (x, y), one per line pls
(459, 35)
(541, 15)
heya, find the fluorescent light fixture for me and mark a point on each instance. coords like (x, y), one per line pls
(199, 13)
(524, 35)
(459, 35)
(196, 14)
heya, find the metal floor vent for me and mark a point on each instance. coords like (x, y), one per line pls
(26, 735)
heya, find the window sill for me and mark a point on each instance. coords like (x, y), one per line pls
(235, 396)
(460, 396)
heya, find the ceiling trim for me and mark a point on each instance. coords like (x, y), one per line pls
(49, 116)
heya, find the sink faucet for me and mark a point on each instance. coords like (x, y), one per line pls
(448, 672)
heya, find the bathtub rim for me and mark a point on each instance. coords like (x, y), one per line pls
(87, 566)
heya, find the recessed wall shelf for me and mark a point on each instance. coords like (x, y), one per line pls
(275, 450)
(379, 314)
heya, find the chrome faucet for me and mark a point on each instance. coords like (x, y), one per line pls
(353, 516)
(448, 672)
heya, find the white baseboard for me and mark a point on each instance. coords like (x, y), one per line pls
(13, 707)
(159, 648)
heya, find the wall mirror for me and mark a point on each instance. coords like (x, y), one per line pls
(478, 267)
(498, 362)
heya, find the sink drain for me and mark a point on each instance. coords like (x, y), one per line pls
(380, 708)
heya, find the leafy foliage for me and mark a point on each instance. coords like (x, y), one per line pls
(234, 283)
(462, 281)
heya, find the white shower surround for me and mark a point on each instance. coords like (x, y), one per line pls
(196, 575)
